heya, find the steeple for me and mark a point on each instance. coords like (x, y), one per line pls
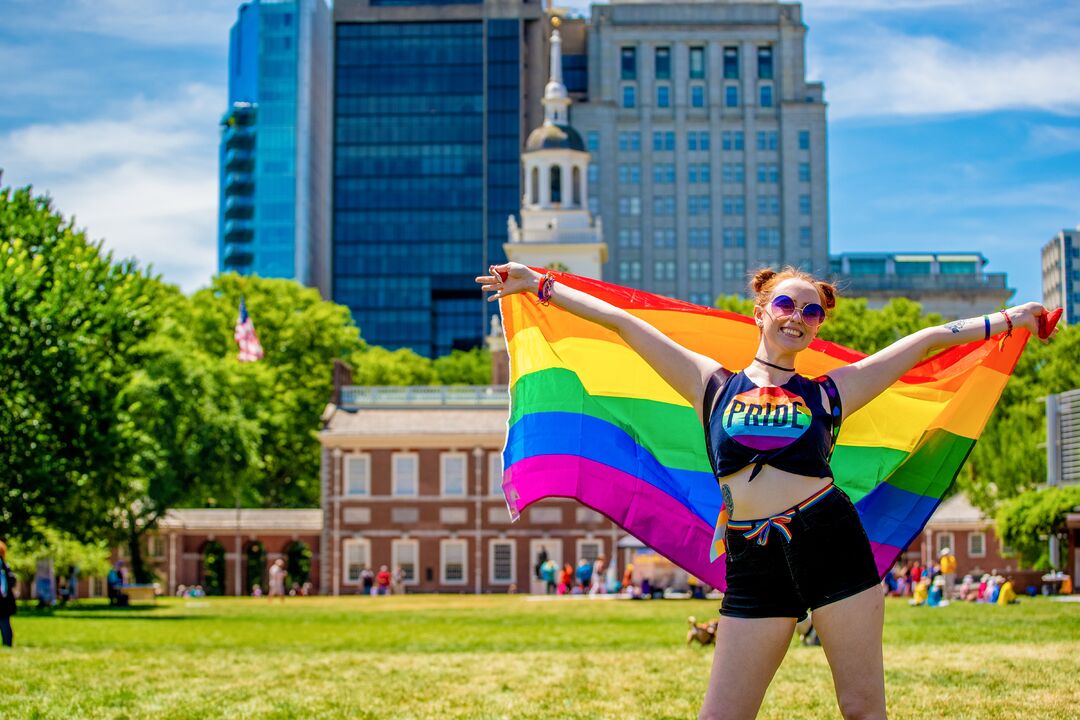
(556, 100)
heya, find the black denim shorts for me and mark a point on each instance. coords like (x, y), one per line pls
(798, 560)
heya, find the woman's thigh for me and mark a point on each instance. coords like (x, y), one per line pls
(748, 651)
(850, 632)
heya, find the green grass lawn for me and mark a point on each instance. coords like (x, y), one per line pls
(503, 657)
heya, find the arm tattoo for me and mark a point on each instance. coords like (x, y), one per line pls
(956, 325)
(725, 491)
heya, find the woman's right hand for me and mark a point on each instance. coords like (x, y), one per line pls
(508, 279)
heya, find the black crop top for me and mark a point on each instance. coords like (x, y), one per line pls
(784, 426)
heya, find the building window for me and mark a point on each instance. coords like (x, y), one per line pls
(731, 62)
(734, 269)
(976, 544)
(699, 269)
(629, 96)
(734, 172)
(765, 96)
(698, 205)
(804, 172)
(453, 469)
(697, 63)
(453, 562)
(663, 96)
(629, 271)
(734, 237)
(767, 140)
(698, 140)
(731, 96)
(697, 96)
(502, 562)
(630, 205)
(663, 270)
(768, 205)
(628, 63)
(700, 298)
(592, 141)
(593, 173)
(495, 474)
(768, 237)
(629, 174)
(663, 140)
(357, 475)
(405, 554)
(355, 556)
(698, 173)
(663, 63)
(804, 204)
(630, 141)
(664, 205)
(732, 140)
(805, 236)
(942, 541)
(768, 173)
(733, 205)
(804, 139)
(629, 237)
(765, 62)
(664, 238)
(663, 173)
(405, 474)
(699, 237)
(594, 205)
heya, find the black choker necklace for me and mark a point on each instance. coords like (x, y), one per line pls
(765, 362)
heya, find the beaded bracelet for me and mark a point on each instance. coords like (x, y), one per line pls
(1009, 321)
(545, 287)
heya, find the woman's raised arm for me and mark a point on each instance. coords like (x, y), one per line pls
(684, 370)
(861, 382)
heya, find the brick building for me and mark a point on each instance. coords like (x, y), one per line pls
(412, 477)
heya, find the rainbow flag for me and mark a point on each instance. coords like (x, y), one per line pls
(590, 420)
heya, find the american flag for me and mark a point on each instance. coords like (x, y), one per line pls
(250, 349)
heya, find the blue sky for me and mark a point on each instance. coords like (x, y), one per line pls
(953, 124)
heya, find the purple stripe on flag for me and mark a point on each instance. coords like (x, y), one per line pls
(652, 516)
(884, 556)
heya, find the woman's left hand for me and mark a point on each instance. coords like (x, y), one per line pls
(1027, 316)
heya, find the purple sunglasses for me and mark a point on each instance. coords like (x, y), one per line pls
(812, 313)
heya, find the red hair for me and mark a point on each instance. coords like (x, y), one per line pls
(766, 279)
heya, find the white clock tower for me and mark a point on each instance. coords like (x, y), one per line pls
(557, 230)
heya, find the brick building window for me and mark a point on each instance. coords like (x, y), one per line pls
(453, 562)
(977, 544)
(357, 475)
(495, 474)
(501, 562)
(405, 553)
(356, 554)
(405, 472)
(452, 480)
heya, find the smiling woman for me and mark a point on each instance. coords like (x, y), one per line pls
(794, 541)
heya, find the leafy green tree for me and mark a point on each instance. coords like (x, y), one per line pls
(286, 392)
(63, 549)
(376, 365)
(464, 367)
(71, 323)
(1025, 522)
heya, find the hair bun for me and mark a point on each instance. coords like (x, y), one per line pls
(761, 277)
(828, 291)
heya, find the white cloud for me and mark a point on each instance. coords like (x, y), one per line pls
(883, 73)
(145, 181)
(148, 22)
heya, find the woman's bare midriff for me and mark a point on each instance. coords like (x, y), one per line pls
(772, 491)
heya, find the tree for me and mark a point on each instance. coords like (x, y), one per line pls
(64, 550)
(1027, 521)
(461, 367)
(285, 392)
(376, 365)
(71, 323)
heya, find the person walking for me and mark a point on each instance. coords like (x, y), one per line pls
(794, 540)
(277, 581)
(7, 597)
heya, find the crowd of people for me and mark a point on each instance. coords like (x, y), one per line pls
(383, 582)
(587, 578)
(935, 585)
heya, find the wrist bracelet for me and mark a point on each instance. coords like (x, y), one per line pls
(545, 287)
(1010, 323)
(986, 322)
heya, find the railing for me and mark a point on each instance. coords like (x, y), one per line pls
(969, 281)
(360, 396)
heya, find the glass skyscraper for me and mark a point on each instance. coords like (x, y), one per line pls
(274, 145)
(428, 116)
